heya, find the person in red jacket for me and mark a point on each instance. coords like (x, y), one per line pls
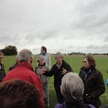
(24, 71)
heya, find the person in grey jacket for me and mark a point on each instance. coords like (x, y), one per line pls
(44, 79)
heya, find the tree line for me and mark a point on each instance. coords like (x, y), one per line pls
(12, 50)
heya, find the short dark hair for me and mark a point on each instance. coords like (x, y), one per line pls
(18, 94)
(44, 48)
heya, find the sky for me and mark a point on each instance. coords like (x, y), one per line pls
(60, 25)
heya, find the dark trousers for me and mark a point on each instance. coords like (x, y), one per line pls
(60, 98)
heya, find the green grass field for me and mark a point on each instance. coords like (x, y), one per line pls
(76, 63)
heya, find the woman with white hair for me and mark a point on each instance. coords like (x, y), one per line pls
(72, 88)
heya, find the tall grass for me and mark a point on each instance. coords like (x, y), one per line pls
(76, 62)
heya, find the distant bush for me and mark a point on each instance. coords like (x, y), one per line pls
(9, 50)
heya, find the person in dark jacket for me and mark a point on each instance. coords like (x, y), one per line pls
(58, 70)
(72, 88)
(2, 69)
(93, 81)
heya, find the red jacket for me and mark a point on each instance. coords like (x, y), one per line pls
(25, 72)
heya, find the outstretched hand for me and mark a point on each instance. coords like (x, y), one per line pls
(42, 70)
(64, 71)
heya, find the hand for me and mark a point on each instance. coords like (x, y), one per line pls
(42, 70)
(64, 71)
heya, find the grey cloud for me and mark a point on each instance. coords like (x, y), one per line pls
(94, 47)
(106, 39)
(98, 49)
(93, 17)
(105, 46)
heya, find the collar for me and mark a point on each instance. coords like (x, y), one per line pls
(25, 64)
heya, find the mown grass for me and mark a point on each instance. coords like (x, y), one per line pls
(76, 62)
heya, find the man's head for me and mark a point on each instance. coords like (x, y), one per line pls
(18, 94)
(72, 87)
(25, 55)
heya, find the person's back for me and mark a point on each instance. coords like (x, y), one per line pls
(19, 94)
(72, 89)
(24, 71)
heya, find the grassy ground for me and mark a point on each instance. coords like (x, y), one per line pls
(76, 63)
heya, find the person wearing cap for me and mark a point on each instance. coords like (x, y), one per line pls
(2, 69)
(44, 79)
(59, 69)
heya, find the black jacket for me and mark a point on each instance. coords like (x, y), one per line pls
(58, 73)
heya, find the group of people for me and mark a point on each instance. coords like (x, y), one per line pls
(24, 87)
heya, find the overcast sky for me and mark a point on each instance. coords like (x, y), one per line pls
(60, 25)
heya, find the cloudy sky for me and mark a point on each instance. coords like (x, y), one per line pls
(60, 25)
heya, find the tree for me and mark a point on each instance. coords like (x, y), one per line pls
(9, 50)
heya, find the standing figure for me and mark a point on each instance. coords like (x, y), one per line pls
(47, 59)
(24, 71)
(59, 69)
(44, 79)
(46, 56)
(93, 81)
(2, 69)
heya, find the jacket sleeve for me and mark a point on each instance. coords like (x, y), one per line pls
(100, 86)
(50, 72)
